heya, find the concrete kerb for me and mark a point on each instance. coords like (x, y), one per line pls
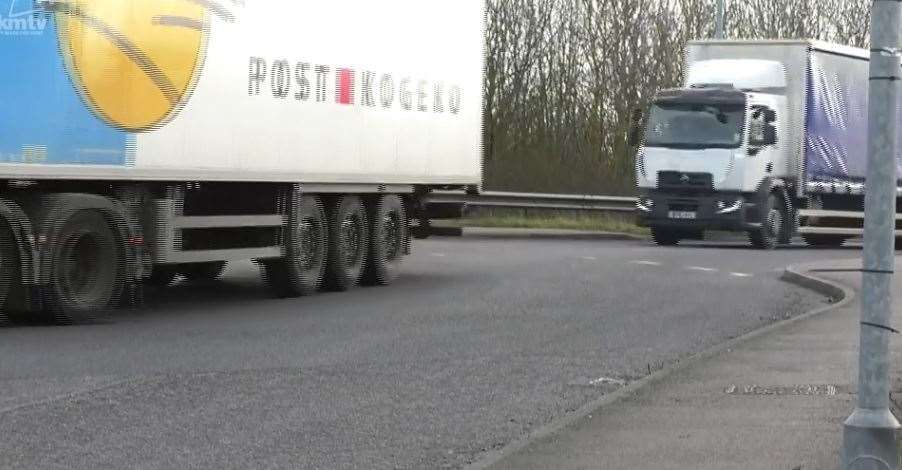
(802, 276)
(840, 295)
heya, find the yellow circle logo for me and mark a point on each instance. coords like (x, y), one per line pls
(134, 62)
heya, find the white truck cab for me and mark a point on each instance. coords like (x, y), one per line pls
(768, 137)
(708, 150)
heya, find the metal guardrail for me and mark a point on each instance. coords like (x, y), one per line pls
(536, 201)
(855, 218)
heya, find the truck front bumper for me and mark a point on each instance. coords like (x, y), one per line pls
(733, 212)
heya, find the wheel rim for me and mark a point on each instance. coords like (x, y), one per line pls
(310, 232)
(351, 242)
(391, 235)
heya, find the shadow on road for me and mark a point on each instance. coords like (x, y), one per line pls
(243, 291)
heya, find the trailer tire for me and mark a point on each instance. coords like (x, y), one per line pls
(9, 267)
(201, 272)
(824, 241)
(301, 272)
(768, 236)
(348, 243)
(388, 237)
(665, 237)
(162, 275)
(87, 273)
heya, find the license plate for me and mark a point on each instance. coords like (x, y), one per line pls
(681, 214)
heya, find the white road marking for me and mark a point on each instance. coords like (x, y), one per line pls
(646, 263)
(740, 275)
(607, 381)
(590, 258)
(439, 255)
(700, 268)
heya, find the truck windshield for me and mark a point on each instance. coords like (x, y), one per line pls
(695, 126)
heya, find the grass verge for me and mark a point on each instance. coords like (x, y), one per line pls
(596, 222)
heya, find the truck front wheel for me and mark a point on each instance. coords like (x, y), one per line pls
(348, 243)
(768, 235)
(87, 269)
(666, 236)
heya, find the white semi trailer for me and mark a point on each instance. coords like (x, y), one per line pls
(148, 139)
(765, 137)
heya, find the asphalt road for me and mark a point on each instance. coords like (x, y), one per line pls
(481, 341)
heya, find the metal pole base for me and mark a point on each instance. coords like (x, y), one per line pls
(869, 441)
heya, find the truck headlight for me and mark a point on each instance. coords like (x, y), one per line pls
(645, 204)
(728, 207)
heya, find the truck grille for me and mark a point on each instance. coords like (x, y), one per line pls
(683, 207)
(676, 180)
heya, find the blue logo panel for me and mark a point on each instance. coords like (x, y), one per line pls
(42, 117)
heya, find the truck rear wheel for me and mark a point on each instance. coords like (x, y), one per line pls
(9, 267)
(388, 232)
(348, 243)
(87, 269)
(301, 271)
(665, 236)
(768, 236)
(195, 272)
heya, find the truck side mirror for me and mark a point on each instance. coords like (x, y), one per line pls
(635, 128)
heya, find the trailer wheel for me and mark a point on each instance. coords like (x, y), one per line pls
(665, 236)
(767, 237)
(388, 232)
(87, 269)
(9, 267)
(348, 243)
(195, 272)
(301, 271)
(162, 275)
